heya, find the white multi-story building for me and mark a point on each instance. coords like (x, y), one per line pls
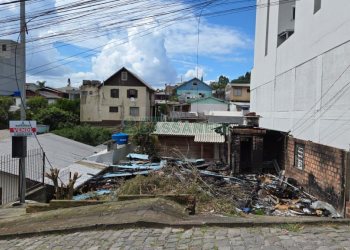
(301, 76)
(8, 52)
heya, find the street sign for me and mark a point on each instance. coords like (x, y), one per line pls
(23, 128)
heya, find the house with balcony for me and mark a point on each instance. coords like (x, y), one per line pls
(122, 97)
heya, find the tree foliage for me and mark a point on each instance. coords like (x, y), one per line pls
(223, 80)
(5, 104)
(143, 138)
(56, 118)
(85, 134)
(242, 79)
(68, 105)
(221, 83)
(35, 104)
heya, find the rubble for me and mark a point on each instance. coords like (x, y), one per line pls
(213, 185)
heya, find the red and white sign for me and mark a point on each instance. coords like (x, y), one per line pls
(23, 128)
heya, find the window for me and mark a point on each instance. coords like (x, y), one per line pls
(238, 92)
(134, 111)
(113, 109)
(132, 93)
(194, 83)
(114, 93)
(4, 48)
(317, 5)
(299, 153)
(124, 76)
(84, 93)
(90, 92)
(286, 20)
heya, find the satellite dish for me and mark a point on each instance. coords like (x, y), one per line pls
(132, 99)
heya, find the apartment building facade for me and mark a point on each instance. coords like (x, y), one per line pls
(300, 80)
(9, 50)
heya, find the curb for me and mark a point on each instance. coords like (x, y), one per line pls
(159, 225)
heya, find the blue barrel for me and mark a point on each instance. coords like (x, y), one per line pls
(120, 138)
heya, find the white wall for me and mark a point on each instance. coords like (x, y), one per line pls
(7, 68)
(206, 108)
(301, 86)
(9, 186)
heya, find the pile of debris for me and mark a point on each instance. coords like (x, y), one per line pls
(215, 189)
(281, 197)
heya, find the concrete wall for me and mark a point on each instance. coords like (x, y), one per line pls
(124, 103)
(323, 173)
(185, 147)
(9, 187)
(206, 108)
(302, 85)
(90, 104)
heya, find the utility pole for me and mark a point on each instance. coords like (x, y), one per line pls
(22, 84)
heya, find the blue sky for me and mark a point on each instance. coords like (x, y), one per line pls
(165, 55)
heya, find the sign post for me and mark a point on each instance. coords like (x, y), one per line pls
(19, 131)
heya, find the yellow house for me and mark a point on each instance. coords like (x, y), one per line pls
(122, 97)
(237, 92)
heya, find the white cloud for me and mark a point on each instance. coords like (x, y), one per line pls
(149, 56)
(191, 73)
(213, 39)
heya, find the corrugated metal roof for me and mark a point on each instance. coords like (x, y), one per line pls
(85, 169)
(202, 132)
(61, 151)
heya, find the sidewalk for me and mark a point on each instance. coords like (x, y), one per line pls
(155, 213)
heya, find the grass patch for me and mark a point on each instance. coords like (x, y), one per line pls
(85, 134)
(168, 182)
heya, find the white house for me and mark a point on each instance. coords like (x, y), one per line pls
(301, 75)
(207, 104)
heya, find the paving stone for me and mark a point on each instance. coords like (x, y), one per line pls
(196, 238)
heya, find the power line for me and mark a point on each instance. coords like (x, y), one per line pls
(177, 19)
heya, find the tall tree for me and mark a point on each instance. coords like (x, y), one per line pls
(242, 79)
(223, 80)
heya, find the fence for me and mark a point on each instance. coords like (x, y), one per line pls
(9, 172)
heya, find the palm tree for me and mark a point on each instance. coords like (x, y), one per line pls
(41, 83)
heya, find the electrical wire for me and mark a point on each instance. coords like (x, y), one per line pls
(214, 14)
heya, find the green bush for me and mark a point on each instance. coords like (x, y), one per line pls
(5, 104)
(36, 103)
(141, 136)
(56, 118)
(85, 134)
(72, 106)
